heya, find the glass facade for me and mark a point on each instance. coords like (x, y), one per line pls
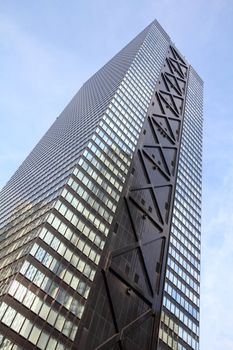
(180, 315)
(57, 210)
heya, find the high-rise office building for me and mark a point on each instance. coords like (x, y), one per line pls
(100, 225)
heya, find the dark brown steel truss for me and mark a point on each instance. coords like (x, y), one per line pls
(124, 307)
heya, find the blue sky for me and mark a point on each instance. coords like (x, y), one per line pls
(49, 48)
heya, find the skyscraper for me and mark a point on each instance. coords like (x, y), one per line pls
(100, 225)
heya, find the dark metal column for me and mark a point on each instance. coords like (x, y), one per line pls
(124, 306)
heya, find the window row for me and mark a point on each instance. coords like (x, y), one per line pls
(184, 226)
(112, 148)
(83, 210)
(104, 171)
(71, 235)
(175, 330)
(175, 267)
(44, 310)
(28, 330)
(191, 172)
(9, 237)
(180, 242)
(132, 90)
(135, 89)
(9, 248)
(181, 300)
(185, 217)
(79, 243)
(179, 231)
(7, 273)
(131, 111)
(109, 154)
(183, 206)
(167, 339)
(185, 199)
(189, 148)
(193, 217)
(101, 161)
(192, 125)
(132, 104)
(106, 135)
(183, 318)
(38, 193)
(188, 220)
(68, 255)
(195, 168)
(14, 257)
(184, 251)
(183, 287)
(60, 270)
(6, 344)
(184, 263)
(139, 73)
(29, 223)
(89, 199)
(53, 289)
(125, 132)
(98, 180)
(36, 189)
